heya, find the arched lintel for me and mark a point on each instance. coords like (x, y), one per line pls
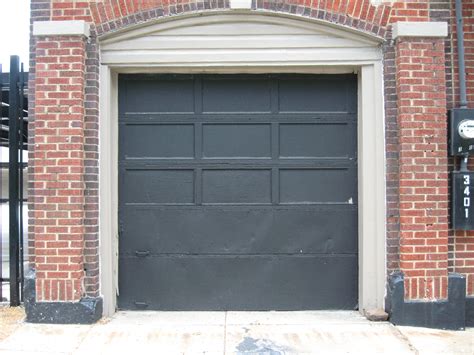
(202, 18)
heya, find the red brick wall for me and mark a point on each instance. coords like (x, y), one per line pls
(405, 142)
(58, 176)
(41, 11)
(462, 243)
(392, 156)
(421, 89)
(361, 14)
(91, 169)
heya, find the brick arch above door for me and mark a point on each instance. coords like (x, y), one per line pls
(253, 38)
(364, 15)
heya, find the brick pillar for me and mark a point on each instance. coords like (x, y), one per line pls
(421, 98)
(58, 176)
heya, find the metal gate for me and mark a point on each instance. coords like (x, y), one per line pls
(238, 192)
(13, 144)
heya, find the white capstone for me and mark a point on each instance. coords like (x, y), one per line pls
(241, 4)
(419, 29)
(61, 28)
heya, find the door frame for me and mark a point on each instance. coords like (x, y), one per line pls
(371, 166)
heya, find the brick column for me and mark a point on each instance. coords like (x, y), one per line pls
(59, 168)
(421, 98)
(55, 291)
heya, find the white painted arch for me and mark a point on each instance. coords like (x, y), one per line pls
(250, 42)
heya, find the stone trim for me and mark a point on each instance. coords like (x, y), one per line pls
(420, 29)
(61, 28)
(241, 4)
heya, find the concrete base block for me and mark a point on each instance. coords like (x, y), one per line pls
(449, 314)
(86, 311)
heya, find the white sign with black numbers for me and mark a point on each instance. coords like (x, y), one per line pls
(467, 198)
(461, 213)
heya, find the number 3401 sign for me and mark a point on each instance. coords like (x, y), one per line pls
(462, 213)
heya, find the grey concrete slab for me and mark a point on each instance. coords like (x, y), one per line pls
(435, 341)
(157, 333)
(320, 339)
(20, 352)
(319, 332)
(45, 338)
(153, 339)
(295, 318)
(152, 318)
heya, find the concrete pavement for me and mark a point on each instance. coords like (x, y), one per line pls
(318, 332)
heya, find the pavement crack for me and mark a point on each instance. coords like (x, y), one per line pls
(405, 339)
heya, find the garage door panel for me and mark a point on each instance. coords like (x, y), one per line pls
(159, 141)
(317, 186)
(316, 140)
(158, 186)
(238, 192)
(329, 94)
(245, 94)
(233, 230)
(237, 186)
(139, 94)
(239, 283)
(236, 141)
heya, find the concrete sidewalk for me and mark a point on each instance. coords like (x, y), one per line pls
(231, 333)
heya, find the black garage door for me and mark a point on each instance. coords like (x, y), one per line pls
(238, 192)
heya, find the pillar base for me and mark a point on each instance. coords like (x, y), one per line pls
(449, 314)
(86, 311)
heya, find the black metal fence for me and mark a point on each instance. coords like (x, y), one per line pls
(13, 145)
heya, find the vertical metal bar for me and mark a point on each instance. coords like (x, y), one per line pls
(461, 58)
(20, 179)
(13, 180)
(1, 182)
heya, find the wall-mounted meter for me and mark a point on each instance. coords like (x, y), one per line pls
(466, 129)
(461, 127)
(461, 143)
